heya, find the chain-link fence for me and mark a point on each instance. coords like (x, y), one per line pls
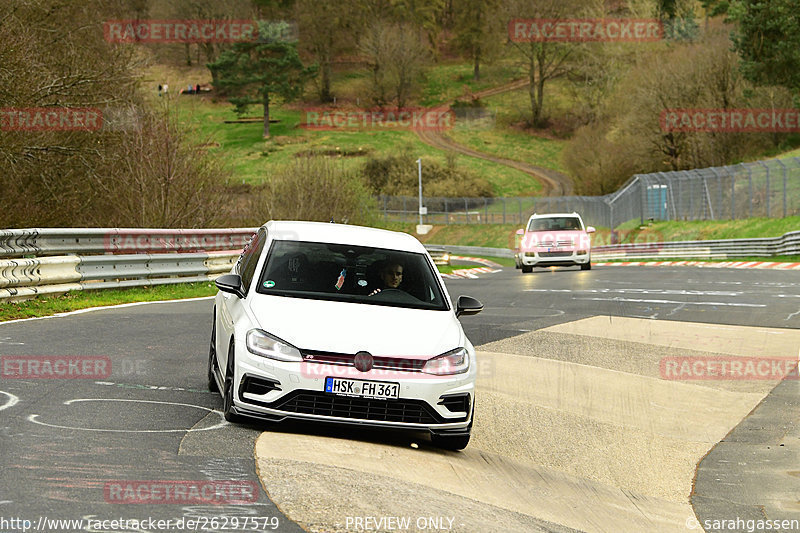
(762, 189)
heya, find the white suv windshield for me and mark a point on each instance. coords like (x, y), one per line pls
(358, 274)
(555, 224)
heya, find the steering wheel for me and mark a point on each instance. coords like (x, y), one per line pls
(388, 289)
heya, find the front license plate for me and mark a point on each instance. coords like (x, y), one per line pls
(362, 389)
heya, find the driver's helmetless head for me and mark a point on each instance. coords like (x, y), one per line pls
(392, 275)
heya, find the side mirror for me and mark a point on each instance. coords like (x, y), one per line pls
(521, 231)
(231, 283)
(590, 229)
(467, 305)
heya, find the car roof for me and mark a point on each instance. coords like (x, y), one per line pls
(554, 215)
(293, 230)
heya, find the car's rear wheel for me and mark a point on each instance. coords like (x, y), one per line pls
(527, 269)
(586, 266)
(212, 355)
(227, 390)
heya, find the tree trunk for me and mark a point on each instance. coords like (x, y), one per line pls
(325, 69)
(535, 108)
(539, 118)
(188, 54)
(476, 69)
(266, 116)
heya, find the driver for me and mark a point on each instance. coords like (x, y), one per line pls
(391, 276)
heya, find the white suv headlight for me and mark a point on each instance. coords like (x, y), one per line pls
(261, 343)
(453, 362)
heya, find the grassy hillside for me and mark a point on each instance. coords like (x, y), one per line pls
(250, 157)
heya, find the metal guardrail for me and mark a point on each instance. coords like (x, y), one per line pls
(196, 256)
(788, 244)
(56, 260)
(62, 241)
(473, 250)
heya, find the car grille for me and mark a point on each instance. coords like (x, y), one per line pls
(323, 404)
(555, 254)
(382, 363)
(557, 242)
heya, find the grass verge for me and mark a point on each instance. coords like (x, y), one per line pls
(72, 301)
(775, 259)
(708, 229)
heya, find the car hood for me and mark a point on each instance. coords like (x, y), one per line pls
(344, 327)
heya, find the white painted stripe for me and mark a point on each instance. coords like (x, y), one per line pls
(633, 300)
(11, 402)
(221, 423)
(678, 292)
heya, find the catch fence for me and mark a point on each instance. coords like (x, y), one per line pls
(767, 189)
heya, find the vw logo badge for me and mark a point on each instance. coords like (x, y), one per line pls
(363, 361)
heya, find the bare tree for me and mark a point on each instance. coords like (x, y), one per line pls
(54, 56)
(395, 56)
(479, 31)
(627, 135)
(326, 30)
(163, 179)
(544, 61)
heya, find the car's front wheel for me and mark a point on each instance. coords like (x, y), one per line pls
(227, 389)
(586, 266)
(450, 442)
(527, 269)
(212, 355)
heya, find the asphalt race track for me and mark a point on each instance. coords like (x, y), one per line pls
(575, 428)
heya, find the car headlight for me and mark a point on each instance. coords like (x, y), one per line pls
(582, 252)
(453, 362)
(261, 343)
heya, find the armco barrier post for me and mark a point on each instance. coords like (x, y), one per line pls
(783, 167)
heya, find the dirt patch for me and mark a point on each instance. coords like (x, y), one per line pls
(334, 152)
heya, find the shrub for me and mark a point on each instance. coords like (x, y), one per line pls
(397, 175)
(313, 188)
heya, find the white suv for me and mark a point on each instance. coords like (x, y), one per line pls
(555, 239)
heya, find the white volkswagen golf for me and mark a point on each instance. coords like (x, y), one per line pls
(342, 324)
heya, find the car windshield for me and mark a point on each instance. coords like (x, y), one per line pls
(555, 224)
(358, 274)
